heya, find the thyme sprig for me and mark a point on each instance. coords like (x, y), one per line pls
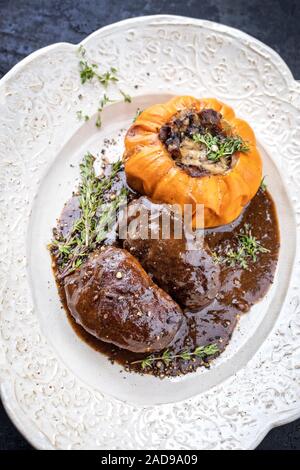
(137, 114)
(126, 96)
(251, 245)
(201, 352)
(89, 70)
(263, 185)
(83, 237)
(248, 248)
(103, 102)
(221, 147)
(107, 77)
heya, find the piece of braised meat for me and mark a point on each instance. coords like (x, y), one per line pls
(190, 276)
(114, 299)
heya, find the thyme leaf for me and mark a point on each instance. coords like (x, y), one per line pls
(98, 121)
(167, 357)
(81, 51)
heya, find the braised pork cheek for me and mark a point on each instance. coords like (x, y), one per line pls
(114, 299)
(190, 276)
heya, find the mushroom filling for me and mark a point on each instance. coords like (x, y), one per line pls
(201, 143)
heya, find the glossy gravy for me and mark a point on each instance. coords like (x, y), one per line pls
(240, 289)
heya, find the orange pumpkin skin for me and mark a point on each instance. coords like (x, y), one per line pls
(150, 169)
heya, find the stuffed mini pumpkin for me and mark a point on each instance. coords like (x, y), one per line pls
(194, 151)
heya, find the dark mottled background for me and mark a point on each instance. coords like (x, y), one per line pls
(28, 25)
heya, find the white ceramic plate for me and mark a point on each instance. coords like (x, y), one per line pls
(60, 393)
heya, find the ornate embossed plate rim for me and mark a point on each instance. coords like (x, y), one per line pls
(38, 437)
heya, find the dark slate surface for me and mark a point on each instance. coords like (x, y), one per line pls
(28, 25)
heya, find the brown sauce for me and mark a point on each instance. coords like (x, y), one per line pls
(240, 289)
